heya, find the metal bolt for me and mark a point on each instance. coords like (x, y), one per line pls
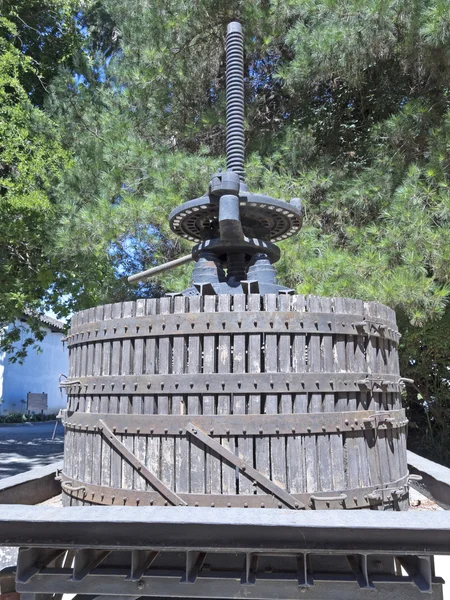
(308, 429)
(263, 505)
(243, 468)
(140, 585)
(245, 505)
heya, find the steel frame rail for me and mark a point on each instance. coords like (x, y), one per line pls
(225, 529)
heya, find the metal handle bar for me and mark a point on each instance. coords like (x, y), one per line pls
(160, 268)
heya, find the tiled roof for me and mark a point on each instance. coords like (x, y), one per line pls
(52, 323)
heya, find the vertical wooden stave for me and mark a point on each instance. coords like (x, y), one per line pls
(224, 400)
(196, 449)
(178, 404)
(296, 453)
(140, 442)
(243, 442)
(116, 355)
(125, 408)
(150, 402)
(212, 462)
(167, 469)
(271, 362)
(261, 442)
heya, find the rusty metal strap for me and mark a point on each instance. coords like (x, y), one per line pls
(231, 383)
(230, 323)
(140, 468)
(240, 425)
(355, 498)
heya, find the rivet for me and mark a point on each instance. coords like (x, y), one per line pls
(196, 504)
(261, 430)
(125, 429)
(245, 505)
(211, 431)
(180, 430)
(338, 428)
(263, 505)
(138, 430)
(293, 429)
(297, 505)
(244, 431)
(151, 430)
(243, 468)
(113, 498)
(166, 430)
(229, 504)
(346, 421)
(277, 430)
(212, 505)
(324, 428)
(280, 505)
(308, 429)
(355, 500)
(166, 503)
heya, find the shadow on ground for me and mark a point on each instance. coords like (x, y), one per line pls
(29, 446)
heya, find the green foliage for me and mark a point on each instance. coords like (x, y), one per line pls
(31, 158)
(18, 417)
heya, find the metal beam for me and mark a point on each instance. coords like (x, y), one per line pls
(225, 529)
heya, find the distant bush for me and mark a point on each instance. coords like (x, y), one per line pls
(18, 417)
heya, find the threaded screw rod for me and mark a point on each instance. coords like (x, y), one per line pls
(235, 99)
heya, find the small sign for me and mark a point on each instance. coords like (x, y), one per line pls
(37, 401)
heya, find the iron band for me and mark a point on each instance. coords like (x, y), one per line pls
(231, 383)
(276, 322)
(363, 497)
(240, 425)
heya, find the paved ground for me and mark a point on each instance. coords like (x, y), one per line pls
(29, 446)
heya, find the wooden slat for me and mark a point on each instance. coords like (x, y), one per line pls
(104, 405)
(224, 400)
(327, 443)
(150, 407)
(314, 404)
(261, 443)
(197, 451)
(277, 445)
(178, 405)
(212, 462)
(128, 309)
(116, 351)
(165, 366)
(140, 441)
(295, 449)
(244, 443)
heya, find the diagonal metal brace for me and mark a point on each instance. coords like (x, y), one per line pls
(246, 469)
(140, 468)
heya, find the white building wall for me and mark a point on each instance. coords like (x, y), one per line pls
(38, 373)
